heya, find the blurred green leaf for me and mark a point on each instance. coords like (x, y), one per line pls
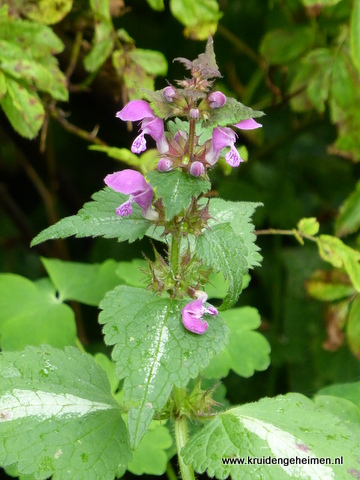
(3, 86)
(328, 286)
(322, 3)
(353, 327)
(355, 34)
(199, 16)
(282, 46)
(348, 220)
(98, 55)
(350, 391)
(23, 109)
(154, 63)
(31, 316)
(309, 226)
(46, 12)
(156, 4)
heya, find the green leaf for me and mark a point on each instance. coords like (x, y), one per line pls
(221, 249)
(32, 316)
(328, 286)
(82, 282)
(46, 12)
(238, 214)
(355, 34)
(176, 190)
(342, 408)
(153, 351)
(281, 46)
(333, 250)
(59, 417)
(348, 220)
(322, 3)
(353, 327)
(101, 10)
(23, 109)
(247, 350)
(349, 391)
(153, 62)
(150, 457)
(285, 427)
(99, 54)
(231, 113)
(33, 71)
(3, 86)
(34, 39)
(58, 86)
(191, 13)
(156, 5)
(144, 163)
(98, 218)
(130, 273)
(309, 226)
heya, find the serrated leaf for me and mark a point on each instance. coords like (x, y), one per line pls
(282, 46)
(153, 351)
(59, 417)
(23, 109)
(348, 220)
(329, 285)
(231, 113)
(284, 427)
(197, 12)
(353, 327)
(98, 218)
(33, 38)
(355, 34)
(333, 250)
(238, 214)
(150, 457)
(82, 282)
(32, 316)
(153, 62)
(177, 189)
(221, 249)
(247, 350)
(46, 12)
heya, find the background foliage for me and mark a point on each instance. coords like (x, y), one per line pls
(73, 67)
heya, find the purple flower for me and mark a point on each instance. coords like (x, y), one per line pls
(217, 99)
(132, 183)
(151, 124)
(168, 93)
(197, 169)
(164, 165)
(225, 137)
(192, 314)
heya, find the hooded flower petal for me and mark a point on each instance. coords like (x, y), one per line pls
(248, 124)
(222, 137)
(217, 99)
(169, 92)
(192, 314)
(132, 183)
(151, 124)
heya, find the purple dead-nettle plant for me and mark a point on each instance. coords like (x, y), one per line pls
(193, 126)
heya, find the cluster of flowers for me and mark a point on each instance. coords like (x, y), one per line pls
(178, 151)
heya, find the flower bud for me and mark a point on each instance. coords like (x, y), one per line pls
(217, 99)
(164, 165)
(194, 113)
(169, 92)
(197, 169)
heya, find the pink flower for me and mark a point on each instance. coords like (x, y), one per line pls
(164, 165)
(132, 183)
(192, 314)
(225, 137)
(169, 92)
(151, 125)
(197, 169)
(217, 99)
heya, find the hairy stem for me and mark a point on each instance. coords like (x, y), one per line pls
(192, 138)
(175, 257)
(181, 438)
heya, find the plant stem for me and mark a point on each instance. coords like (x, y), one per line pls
(175, 255)
(181, 437)
(170, 472)
(192, 138)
